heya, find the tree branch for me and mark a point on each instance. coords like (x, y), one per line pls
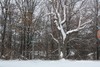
(54, 38)
(64, 11)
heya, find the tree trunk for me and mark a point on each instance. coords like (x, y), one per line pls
(4, 32)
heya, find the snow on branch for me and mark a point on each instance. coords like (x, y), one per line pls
(57, 25)
(59, 21)
(63, 33)
(59, 16)
(49, 14)
(64, 11)
(90, 20)
(54, 38)
(70, 31)
(80, 19)
(80, 26)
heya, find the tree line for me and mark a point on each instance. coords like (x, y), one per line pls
(49, 29)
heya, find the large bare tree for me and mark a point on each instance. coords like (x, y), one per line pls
(63, 13)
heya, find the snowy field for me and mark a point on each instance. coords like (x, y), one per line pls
(40, 63)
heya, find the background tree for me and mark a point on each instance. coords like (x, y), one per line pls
(49, 29)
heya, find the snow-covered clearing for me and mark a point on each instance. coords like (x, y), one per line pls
(40, 63)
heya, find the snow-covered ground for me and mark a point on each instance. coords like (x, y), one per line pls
(40, 63)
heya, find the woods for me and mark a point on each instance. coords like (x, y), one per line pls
(49, 29)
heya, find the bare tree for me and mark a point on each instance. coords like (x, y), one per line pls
(63, 12)
(5, 13)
